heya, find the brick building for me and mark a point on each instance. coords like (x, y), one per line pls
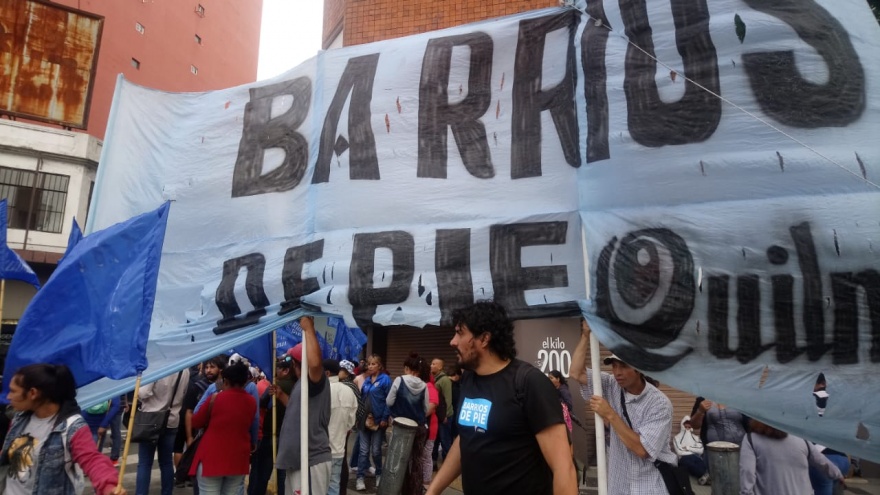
(47, 172)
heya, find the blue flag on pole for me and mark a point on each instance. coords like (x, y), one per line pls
(11, 264)
(94, 312)
(259, 352)
(349, 340)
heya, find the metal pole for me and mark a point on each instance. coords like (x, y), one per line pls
(601, 461)
(304, 417)
(274, 414)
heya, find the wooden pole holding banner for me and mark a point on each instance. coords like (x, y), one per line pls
(304, 417)
(274, 477)
(601, 459)
(134, 403)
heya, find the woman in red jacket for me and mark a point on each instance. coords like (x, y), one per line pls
(222, 459)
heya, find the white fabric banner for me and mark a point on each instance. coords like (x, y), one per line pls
(720, 161)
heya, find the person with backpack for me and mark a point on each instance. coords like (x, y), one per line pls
(49, 446)
(99, 418)
(772, 462)
(408, 399)
(346, 377)
(343, 411)
(512, 436)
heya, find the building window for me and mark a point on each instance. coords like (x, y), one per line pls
(136, 63)
(35, 200)
(139, 27)
(193, 69)
(200, 10)
(198, 39)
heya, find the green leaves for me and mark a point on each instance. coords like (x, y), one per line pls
(740, 27)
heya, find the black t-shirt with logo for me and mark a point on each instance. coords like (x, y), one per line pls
(497, 428)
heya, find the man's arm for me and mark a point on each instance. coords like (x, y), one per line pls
(747, 469)
(579, 365)
(450, 470)
(188, 426)
(446, 391)
(699, 413)
(553, 441)
(630, 438)
(316, 368)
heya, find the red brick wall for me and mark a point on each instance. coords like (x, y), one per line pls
(334, 17)
(374, 20)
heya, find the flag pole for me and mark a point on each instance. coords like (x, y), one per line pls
(304, 415)
(601, 459)
(274, 413)
(134, 402)
(2, 294)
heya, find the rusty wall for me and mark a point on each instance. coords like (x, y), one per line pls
(48, 55)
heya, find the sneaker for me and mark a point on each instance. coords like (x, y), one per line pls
(353, 470)
(705, 480)
(372, 471)
(115, 462)
(378, 480)
(359, 485)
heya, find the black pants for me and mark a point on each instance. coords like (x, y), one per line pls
(261, 470)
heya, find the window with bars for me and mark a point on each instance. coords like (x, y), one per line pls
(34, 200)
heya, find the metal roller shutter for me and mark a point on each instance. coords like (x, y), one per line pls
(430, 342)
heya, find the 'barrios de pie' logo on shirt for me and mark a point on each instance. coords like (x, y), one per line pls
(475, 412)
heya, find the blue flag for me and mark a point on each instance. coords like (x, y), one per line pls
(259, 352)
(73, 239)
(94, 312)
(348, 341)
(11, 264)
(291, 334)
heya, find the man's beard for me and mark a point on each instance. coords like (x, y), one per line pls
(469, 364)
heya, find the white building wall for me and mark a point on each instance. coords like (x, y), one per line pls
(54, 151)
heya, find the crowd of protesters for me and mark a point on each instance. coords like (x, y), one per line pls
(220, 425)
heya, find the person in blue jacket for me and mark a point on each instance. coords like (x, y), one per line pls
(371, 430)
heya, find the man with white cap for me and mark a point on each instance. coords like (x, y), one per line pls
(640, 418)
(343, 408)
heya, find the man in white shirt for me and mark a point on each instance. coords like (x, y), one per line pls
(343, 408)
(640, 418)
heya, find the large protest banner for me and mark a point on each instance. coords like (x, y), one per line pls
(712, 168)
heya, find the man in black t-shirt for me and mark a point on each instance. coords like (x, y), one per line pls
(512, 436)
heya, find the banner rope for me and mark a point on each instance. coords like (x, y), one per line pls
(598, 23)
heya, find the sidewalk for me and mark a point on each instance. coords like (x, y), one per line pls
(855, 486)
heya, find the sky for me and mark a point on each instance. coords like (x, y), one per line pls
(290, 34)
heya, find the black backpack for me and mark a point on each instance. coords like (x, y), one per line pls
(361, 414)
